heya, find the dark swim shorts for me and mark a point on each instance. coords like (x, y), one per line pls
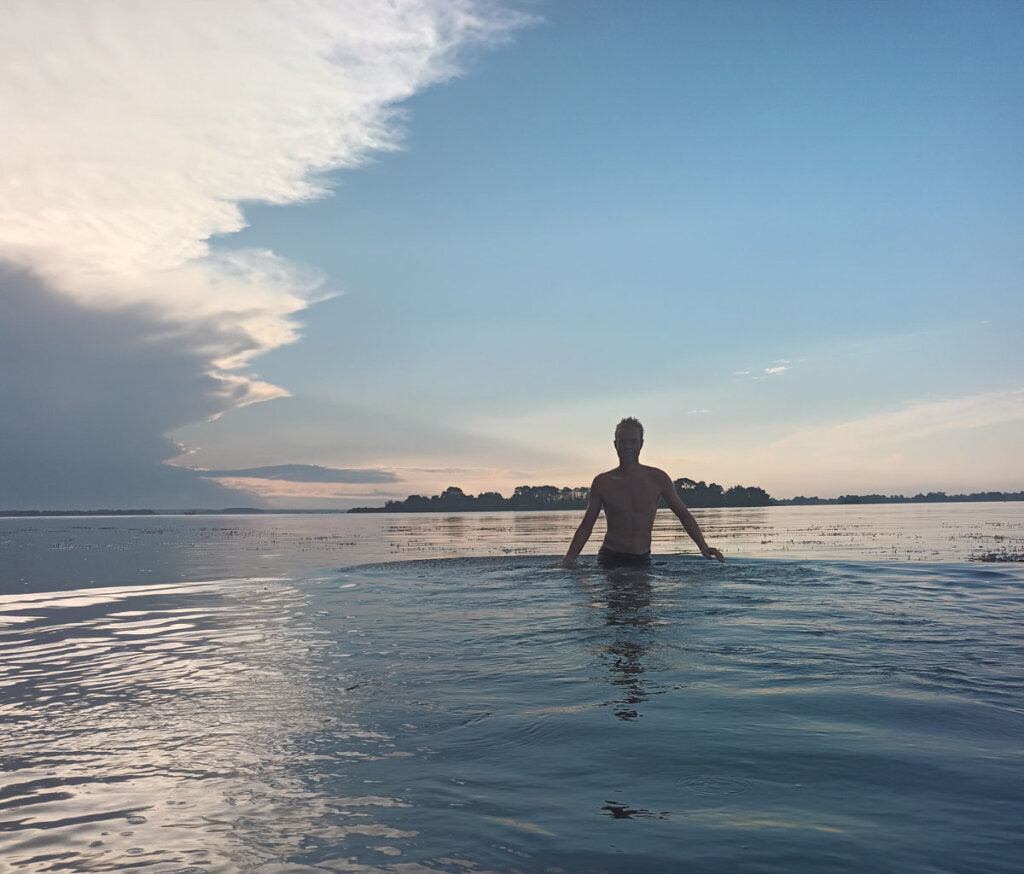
(612, 558)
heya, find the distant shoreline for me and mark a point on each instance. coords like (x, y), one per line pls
(696, 495)
(799, 501)
(227, 511)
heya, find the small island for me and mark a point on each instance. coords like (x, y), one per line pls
(693, 493)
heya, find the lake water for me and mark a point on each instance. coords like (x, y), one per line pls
(426, 693)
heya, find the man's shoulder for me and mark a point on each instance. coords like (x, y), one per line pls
(658, 478)
(615, 478)
(655, 473)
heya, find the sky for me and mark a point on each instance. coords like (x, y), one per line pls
(310, 254)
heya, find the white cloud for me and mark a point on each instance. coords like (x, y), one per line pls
(780, 365)
(135, 132)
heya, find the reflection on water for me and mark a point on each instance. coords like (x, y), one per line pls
(627, 596)
(54, 553)
(501, 714)
(159, 726)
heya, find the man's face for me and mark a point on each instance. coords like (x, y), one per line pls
(628, 443)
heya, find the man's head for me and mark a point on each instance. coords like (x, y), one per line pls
(629, 439)
(629, 422)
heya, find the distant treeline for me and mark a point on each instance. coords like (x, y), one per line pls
(693, 493)
(453, 499)
(930, 498)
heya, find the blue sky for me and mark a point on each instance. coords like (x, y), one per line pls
(453, 243)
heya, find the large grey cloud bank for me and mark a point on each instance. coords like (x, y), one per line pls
(86, 397)
(134, 131)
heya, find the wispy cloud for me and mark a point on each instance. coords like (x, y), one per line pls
(307, 473)
(780, 365)
(288, 494)
(134, 133)
(919, 447)
(916, 421)
(964, 443)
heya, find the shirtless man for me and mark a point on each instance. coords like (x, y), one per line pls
(629, 496)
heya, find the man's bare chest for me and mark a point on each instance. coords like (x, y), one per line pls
(631, 493)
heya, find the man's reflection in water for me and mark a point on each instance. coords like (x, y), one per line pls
(627, 594)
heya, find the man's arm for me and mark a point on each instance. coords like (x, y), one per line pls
(582, 534)
(671, 496)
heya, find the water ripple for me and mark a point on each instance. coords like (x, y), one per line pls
(492, 714)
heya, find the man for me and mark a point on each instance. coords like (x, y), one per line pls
(629, 497)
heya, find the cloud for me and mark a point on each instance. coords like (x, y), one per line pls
(307, 473)
(284, 494)
(141, 128)
(87, 397)
(916, 421)
(327, 431)
(966, 443)
(134, 135)
(780, 365)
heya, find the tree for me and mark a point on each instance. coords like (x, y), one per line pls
(747, 496)
(698, 494)
(490, 501)
(453, 498)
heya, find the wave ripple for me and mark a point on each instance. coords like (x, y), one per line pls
(499, 714)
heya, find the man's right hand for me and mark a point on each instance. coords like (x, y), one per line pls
(711, 552)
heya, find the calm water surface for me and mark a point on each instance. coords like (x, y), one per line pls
(422, 694)
(60, 553)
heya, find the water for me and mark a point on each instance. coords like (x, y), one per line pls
(70, 553)
(220, 695)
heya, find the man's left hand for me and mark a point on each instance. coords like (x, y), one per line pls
(711, 552)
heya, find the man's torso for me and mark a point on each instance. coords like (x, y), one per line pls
(630, 502)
